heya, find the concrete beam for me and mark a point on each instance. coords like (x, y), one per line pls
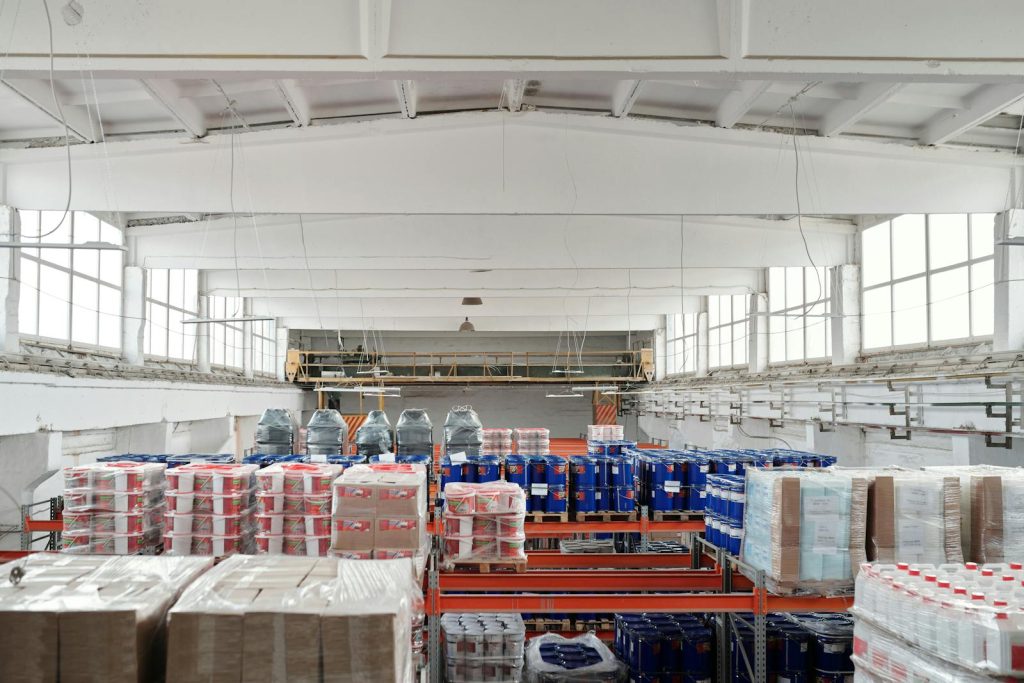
(737, 103)
(40, 95)
(407, 99)
(512, 94)
(185, 112)
(839, 119)
(483, 323)
(1009, 283)
(625, 96)
(294, 99)
(984, 103)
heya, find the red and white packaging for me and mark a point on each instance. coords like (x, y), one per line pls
(294, 478)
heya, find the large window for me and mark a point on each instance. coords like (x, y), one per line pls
(225, 338)
(70, 296)
(798, 303)
(727, 330)
(264, 347)
(927, 280)
(171, 297)
(681, 343)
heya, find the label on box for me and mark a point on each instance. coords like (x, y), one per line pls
(821, 505)
(826, 537)
(321, 458)
(703, 469)
(615, 469)
(910, 536)
(457, 458)
(730, 467)
(672, 486)
(915, 497)
(538, 489)
(388, 457)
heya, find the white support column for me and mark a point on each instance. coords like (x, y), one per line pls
(281, 352)
(661, 359)
(757, 335)
(133, 315)
(1009, 282)
(702, 339)
(10, 282)
(846, 334)
(203, 329)
(247, 369)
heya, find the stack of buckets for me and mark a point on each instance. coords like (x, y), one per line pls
(801, 649)
(602, 483)
(544, 478)
(665, 648)
(723, 516)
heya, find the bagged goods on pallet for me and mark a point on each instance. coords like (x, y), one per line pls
(805, 529)
(303, 489)
(89, 618)
(414, 433)
(326, 434)
(553, 659)
(484, 523)
(374, 436)
(275, 432)
(210, 510)
(463, 431)
(483, 647)
(114, 508)
(267, 618)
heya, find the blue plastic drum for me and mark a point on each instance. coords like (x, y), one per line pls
(584, 471)
(517, 470)
(623, 472)
(557, 501)
(556, 471)
(584, 499)
(625, 499)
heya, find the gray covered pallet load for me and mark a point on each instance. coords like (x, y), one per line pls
(275, 432)
(414, 433)
(463, 431)
(326, 433)
(374, 437)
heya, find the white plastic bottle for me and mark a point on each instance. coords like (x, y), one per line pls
(1005, 640)
(972, 633)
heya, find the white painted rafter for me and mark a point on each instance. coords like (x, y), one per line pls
(737, 103)
(983, 104)
(625, 96)
(839, 119)
(295, 101)
(405, 90)
(38, 93)
(512, 93)
(182, 110)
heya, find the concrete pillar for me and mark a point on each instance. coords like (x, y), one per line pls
(247, 369)
(757, 333)
(133, 315)
(661, 359)
(281, 352)
(10, 281)
(846, 335)
(1009, 283)
(203, 329)
(702, 338)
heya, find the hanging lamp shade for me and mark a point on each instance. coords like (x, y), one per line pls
(467, 326)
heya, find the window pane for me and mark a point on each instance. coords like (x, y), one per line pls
(725, 347)
(815, 347)
(950, 313)
(794, 337)
(875, 254)
(189, 342)
(776, 289)
(109, 233)
(713, 311)
(910, 319)
(739, 344)
(191, 290)
(714, 353)
(111, 263)
(28, 298)
(51, 221)
(158, 285)
(176, 287)
(54, 286)
(982, 300)
(908, 245)
(776, 339)
(815, 284)
(217, 343)
(877, 318)
(947, 239)
(739, 307)
(689, 355)
(794, 287)
(158, 343)
(175, 334)
(87, 262)
(85, 304)
(86, 227)
(147, 345)
(110, 317)
(982, 234)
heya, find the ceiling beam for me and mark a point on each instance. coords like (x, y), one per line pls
(483, 323)
(983, 104)
(625, 96)
(406, 93)
(839, 119)
(295, 101)
(512, 93)
(39, 94)
(184, 111)
(737, 103)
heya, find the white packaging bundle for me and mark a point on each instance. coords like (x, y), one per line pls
(301, 532)
(997, 516)
(915, 517)
(483, 647)
(210, 510)
(484, 523)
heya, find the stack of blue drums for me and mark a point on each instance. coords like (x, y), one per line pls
(723, 516)
(602, 483)
(469, 469)
(610, 447)
(804, 648)
(665, 648)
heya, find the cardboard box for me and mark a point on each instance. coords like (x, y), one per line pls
(914, 517)
(398, 532)
(353, 532)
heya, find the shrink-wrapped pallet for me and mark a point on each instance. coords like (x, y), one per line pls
(997, 516)
(914, 517)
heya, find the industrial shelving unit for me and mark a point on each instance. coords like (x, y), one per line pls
(705, 580)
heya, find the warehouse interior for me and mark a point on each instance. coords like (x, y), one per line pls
(773, 245)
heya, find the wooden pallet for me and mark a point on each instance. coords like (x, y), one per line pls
(659, 516)
(547, 516)
(606, 516)
(599, 625)
(548, 624)
(488, 566)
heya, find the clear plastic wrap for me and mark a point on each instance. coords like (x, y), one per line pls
(210, 510)
(89, 618)
(326, 433)
(374, 436)
(267, 618)
(295, 533)
(997, 515)
(414, 433)
(965, 473)
(484, 523)
(805, 529)
(463, 431)
(914, 517)
(483, 647)
(966, 615)
(553, 659)
(275, 432)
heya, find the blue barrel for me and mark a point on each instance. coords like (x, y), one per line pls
(646, 644)
(832, 653)
(602, 499)
(735, 538)
(625, 499)
(557, 500)
(556, 470)
(517, 470)
(603, 467)
(584, 499)
(662, 470)
(695, 499)
(538, 469)
(696, 651)
(662, 500)
(584, 471)
(792, 651)
(487, 469)
(697, 467)
(623, 472)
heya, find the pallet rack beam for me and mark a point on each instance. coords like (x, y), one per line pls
(540, 559)
(597, 602)
(585, 581)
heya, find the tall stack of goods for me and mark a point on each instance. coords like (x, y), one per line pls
(548, 479)
(497, 441)
(602, 483)
(663, 482)
(950, 622)
(605, 433)
(275, 432)
(414, 433)
(294, 508)
(669, 647)
(550, 658)
(914, 517)
(723, 517)
(484, 523)
(114, 508)
(997, 516)
(210, 510)
(532, 440)
(463, 431)
(380, 512)
(374, 436)
(483, 647)
(326, 435)
(805, 529)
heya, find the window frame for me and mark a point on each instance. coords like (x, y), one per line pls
(264, 336)
(688, 365)
(744, 321)
(803, 309)
(150, 301)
